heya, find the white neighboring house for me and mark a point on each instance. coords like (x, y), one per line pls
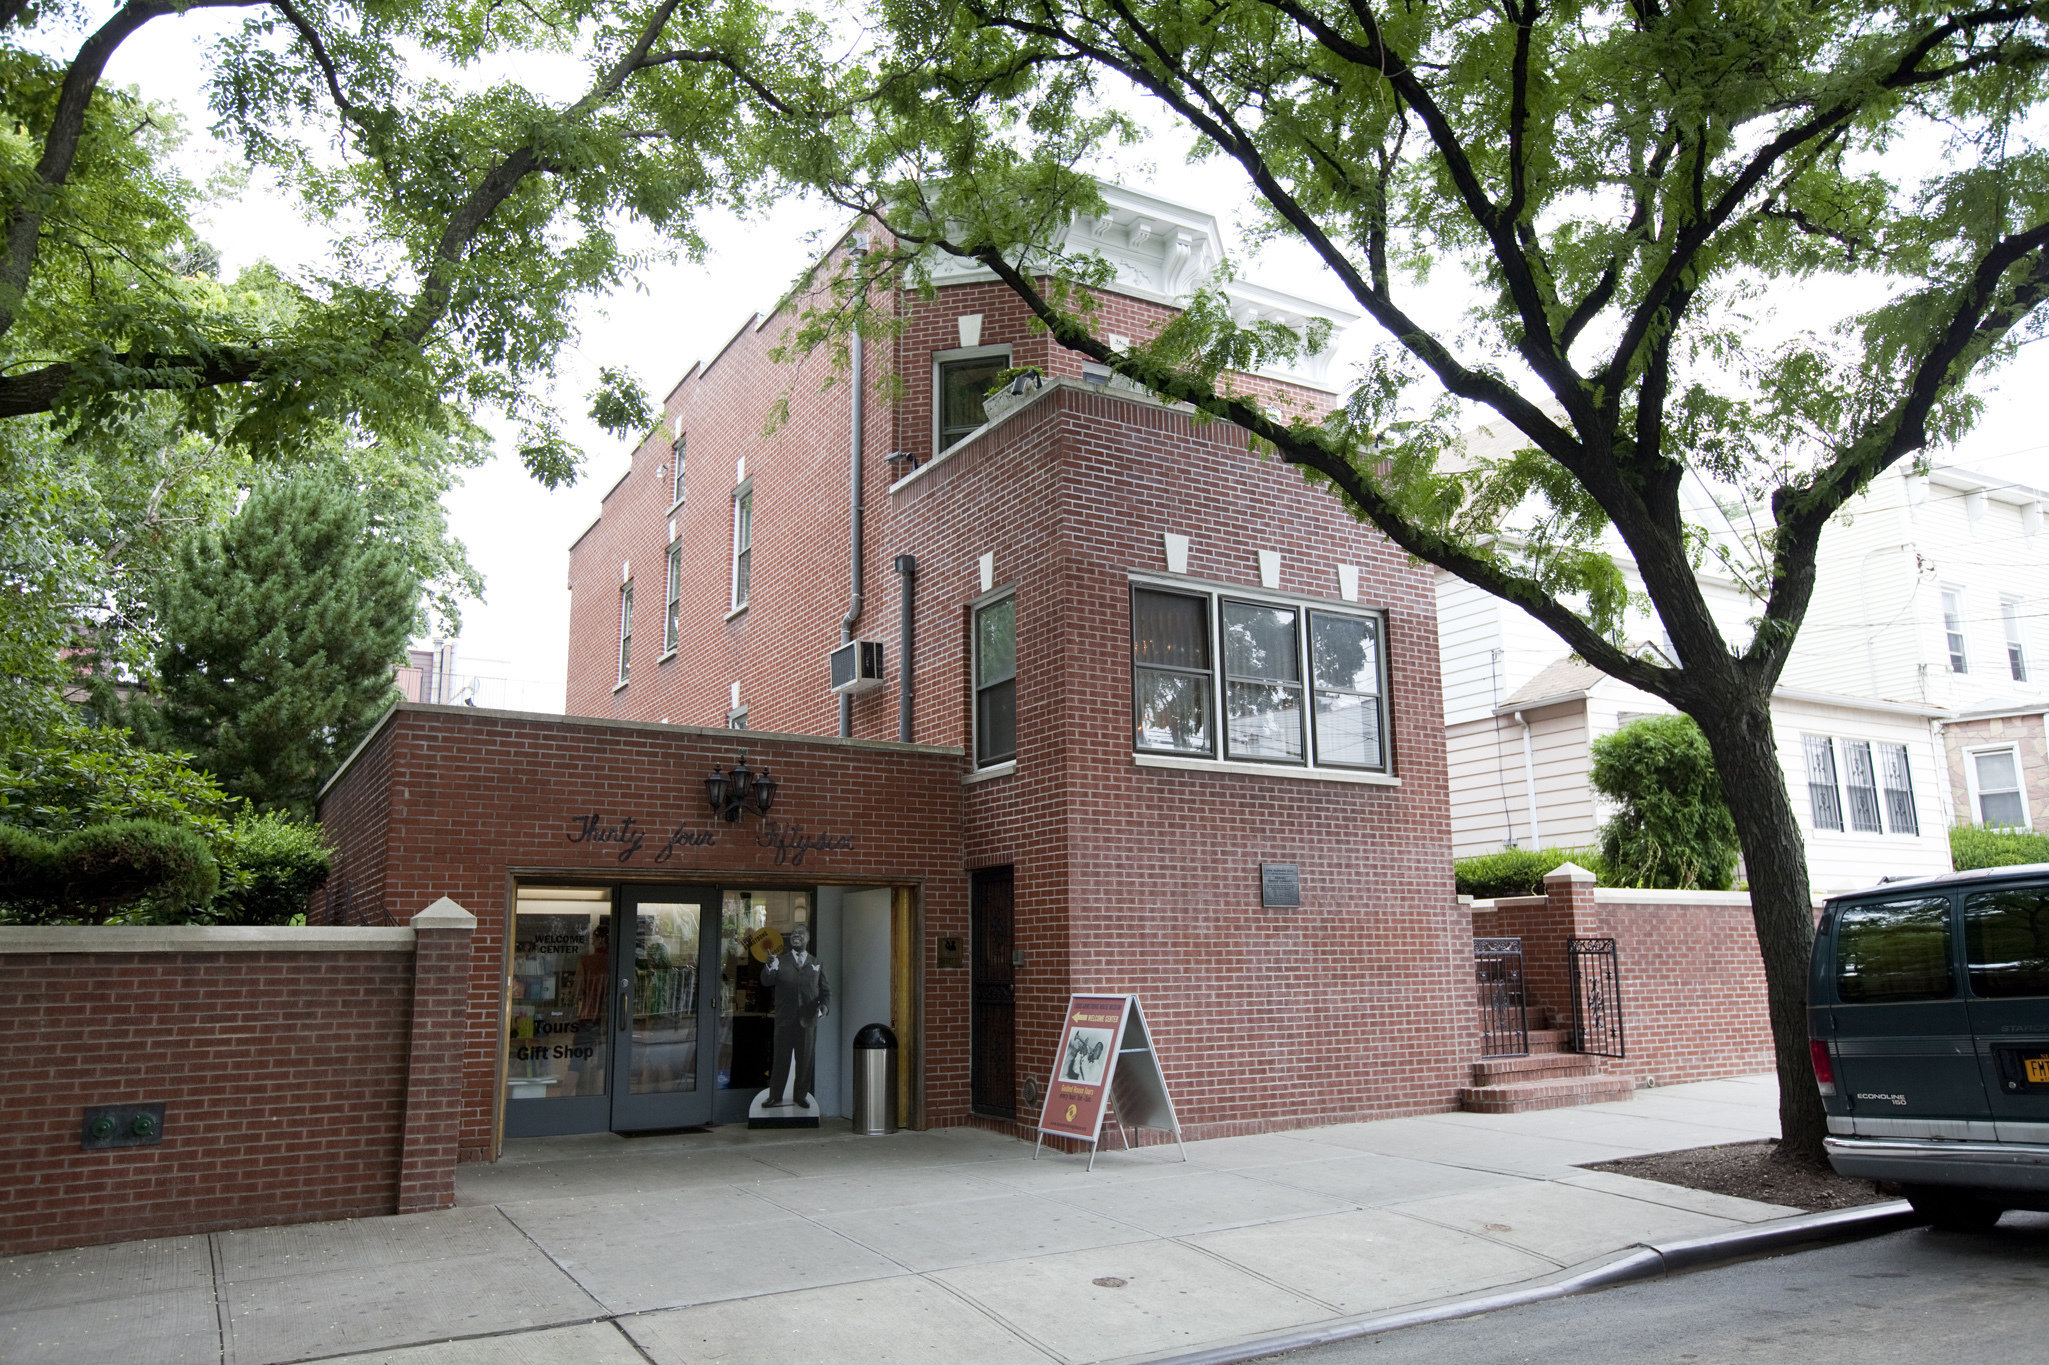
(1865, 708)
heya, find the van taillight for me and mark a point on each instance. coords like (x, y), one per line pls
(1824, 1067)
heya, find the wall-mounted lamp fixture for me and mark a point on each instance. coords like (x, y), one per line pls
(740, 788)
(902, 462)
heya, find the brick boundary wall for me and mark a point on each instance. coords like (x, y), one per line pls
(307, 1074)
(1693, 998)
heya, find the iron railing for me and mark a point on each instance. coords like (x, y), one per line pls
(1596, 997)
(1504, 1022)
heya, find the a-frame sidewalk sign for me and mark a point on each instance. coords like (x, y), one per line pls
(1105, 1057)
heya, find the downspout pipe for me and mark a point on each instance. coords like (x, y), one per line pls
(857, 508)
(1530, 779)
(907, 656)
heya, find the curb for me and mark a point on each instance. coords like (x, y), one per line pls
(1645, 1261)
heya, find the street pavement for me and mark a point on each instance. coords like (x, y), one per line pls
(1902, 1299)
(755, 1248)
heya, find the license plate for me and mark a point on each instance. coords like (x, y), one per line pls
(2037, 1070)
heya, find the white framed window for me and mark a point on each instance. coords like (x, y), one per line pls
(743, 544)
(959, 379)
(1953, 630)
(1824, 798)
(995, 647)
(736, 720)
(1293, 682)
(676, 483)
(671, 611)
(1998, 797)
(1861, 785)
(2013, 618)
(625, 629)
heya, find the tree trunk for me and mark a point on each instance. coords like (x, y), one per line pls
(1739, 733)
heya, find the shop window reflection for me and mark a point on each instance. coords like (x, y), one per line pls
(555, 1042)
(751, 929)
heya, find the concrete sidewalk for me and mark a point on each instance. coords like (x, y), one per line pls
(768, 1247)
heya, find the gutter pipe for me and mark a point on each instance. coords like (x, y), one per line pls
(857, 507)
(1530, 780)
(907, 569)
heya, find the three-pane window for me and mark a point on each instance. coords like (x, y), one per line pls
(743, 545)
(1874, 776)
(1329, 714)
(996, 682)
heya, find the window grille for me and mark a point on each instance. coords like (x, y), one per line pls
(1824, 800)
(1861, 781)
(1898, 779)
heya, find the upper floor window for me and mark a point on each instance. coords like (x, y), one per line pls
(743, 545)
(961, 386)
(1996, 787)
(1876, 777)
(1953, 629)
(996, 682)
(676, 486)
(2016, 639)
(625, 627)
(672, 611)
(1298, 685)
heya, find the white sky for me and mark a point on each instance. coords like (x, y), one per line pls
(518, 533)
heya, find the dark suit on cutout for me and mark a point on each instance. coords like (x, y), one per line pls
(801, 995)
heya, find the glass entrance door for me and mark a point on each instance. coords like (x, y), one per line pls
(664, 1074)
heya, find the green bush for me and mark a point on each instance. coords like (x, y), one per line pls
(1518, 871)
(96, 873)
(271, 864)
(1671, 827)
(1984, 846)
(91, 778)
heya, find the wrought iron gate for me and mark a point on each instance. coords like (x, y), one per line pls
(1596, 997)
(1504, 1022)
(992, 1047)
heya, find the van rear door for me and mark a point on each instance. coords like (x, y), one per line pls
(1903, 1038)
(2006, 956)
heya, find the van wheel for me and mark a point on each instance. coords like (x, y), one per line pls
(1953, 1210)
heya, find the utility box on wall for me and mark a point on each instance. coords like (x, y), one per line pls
(857, 667)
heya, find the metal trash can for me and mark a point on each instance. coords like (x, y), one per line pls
(874, 1081)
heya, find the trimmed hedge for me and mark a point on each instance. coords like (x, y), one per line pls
(94, 873)
(1520, 871)
(1985, 846)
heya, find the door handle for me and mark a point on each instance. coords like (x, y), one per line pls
(624, 1018)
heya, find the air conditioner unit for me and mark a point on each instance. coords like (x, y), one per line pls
(857, 667)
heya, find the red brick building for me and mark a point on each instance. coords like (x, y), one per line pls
(1144, 713)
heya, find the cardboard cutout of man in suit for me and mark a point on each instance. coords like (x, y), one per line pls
(801, 1000)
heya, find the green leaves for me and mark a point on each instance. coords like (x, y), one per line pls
(1671, 826)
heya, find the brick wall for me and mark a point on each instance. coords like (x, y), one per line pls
(1693, 996)
(294, 1078)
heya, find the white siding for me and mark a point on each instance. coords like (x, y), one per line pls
(1490, 793)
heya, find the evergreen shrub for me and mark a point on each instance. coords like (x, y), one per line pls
(1519, 871)
(1986, 846)
(1671, 829)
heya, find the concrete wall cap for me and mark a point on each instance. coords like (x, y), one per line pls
(1568, 872)
(201, 938)
(445, 914)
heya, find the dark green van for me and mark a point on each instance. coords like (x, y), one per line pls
(1928, 1015)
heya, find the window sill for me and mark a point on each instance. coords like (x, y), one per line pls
(737, 611)
(665, 658)
(618, 687)
(673, 507)
(990, 773)
(1211, 765)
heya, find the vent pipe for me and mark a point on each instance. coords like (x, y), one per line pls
(857, 507)
(906, 655)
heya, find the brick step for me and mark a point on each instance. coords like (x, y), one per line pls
(1524, 1096)
(1550, 1039)
(1535, 1067)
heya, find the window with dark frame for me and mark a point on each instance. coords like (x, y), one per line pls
(672, 611)
(1171, 673)
(961, 386)
(743, 546)
(996, 682)
(1298, 685)
(625, 627)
